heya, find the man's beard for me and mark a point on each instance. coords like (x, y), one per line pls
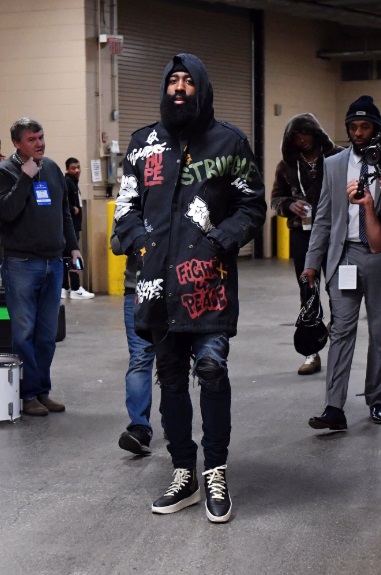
(359, 150)
(178, 115)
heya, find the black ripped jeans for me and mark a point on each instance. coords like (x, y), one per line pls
(174, 352)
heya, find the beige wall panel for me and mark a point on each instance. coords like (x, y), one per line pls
(49, 82)
(50, 18)
(43, 74)
(21, 66)
(41, 7)
(31, 54)
(56, 34)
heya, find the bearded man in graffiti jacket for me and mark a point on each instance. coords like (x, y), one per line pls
(190, 197)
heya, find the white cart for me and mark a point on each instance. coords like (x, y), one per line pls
(10, 376)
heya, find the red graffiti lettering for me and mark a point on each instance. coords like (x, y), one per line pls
(196, 271)
(205, 300)
(153, 169)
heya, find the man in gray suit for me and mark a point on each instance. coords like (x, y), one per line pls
(350, 231)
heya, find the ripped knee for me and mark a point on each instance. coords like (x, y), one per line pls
(211, 374)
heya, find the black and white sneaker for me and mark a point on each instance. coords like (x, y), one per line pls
(183, 492)
(218, 503)
(136, 440)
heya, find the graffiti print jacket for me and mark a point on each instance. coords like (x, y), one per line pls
(186, 205)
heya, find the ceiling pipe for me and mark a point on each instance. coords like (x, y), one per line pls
(326, 55)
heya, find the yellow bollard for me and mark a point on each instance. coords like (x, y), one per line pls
(283, 239)
(115, 264)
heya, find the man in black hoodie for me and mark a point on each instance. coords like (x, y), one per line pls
(296, 191)
(190, 197)
(71, 286)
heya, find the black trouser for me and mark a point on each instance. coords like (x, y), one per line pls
(299, 240)
(173, 362)
(74, 282)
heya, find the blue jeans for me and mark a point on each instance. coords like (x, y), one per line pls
(139, 374)
(33, 296)
(173, 357)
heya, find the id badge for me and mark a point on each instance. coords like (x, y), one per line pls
(41, 191)
(348, 277)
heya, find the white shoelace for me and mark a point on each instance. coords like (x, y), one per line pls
(216, 481)
(181, 477)
(310, 359)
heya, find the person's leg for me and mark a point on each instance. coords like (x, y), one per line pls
(48, 304)
(173, 363)
(210, 365)
(138, 386)
(371, 281)
(299, 240)
(75, 283)
(22, 279)
(173, 352)
(139, 373)
(65, 279)
(77, 291)
(345, 305)
(345, 312)
(211, 353)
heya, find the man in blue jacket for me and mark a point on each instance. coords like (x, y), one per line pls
(190, 197)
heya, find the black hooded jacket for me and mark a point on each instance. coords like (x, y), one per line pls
(289, 184)
(188, 201)
(29, 229)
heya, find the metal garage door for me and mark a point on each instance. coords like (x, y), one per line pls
(155, 31)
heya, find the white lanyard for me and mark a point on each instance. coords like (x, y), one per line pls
(300, 181)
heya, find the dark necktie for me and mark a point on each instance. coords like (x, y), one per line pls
(362, 234)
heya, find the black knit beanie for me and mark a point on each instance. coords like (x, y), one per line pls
(363, 109)
(178, 67)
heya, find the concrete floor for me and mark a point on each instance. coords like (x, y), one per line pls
(73, 503)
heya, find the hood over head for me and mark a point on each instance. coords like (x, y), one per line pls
(204, 90)
(309, 124)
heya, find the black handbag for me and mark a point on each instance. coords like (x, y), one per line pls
(311, 333)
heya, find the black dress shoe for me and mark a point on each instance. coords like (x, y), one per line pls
(332, 418)
(375, 413)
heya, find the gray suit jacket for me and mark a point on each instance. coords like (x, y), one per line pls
(329, 230)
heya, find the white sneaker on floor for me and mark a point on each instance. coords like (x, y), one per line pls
(81, 293)
(65, 293)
